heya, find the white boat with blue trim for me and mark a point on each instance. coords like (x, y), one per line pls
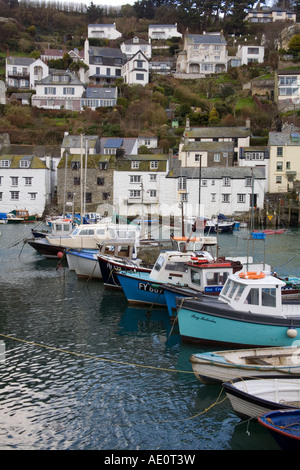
(249, 312)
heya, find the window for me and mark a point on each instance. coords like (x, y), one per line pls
(288, 165)
(279, 151)
(100, 181)
(279, 166)
(278, 179)
(241, 198)
(213, 197)
(253, 50)
(28, 180)
(75, 165)
(253, 297)
(153, 177)
(197, 157)
(32, 196)
(268, 297)
(225, 198)
(182, 183)
(5, 163)
(69, 91)
(135, 179)
(88, 197)
(14, 195)
(135, 165)
(14, 180)
(50, 90)
(152, 193)
(196, 277)
(140, 76)
(77, 181)
(226, 181)
(1, 196)
(153, 165)
(217, 157)
(24, 164)
(203, 182)
(103, 165)
(248, 181)
(134, 193)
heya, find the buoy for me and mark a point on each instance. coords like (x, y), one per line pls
(292, 332)
(60, 254)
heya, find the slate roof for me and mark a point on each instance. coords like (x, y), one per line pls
(20, 61)
(211, 132)
(235, 172)
(205, 39)
(284, 138)
(101, 92)
(15, 160)
(208, 146)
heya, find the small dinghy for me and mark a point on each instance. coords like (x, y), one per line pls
(284, 426)
(221, 366)
(253, 397)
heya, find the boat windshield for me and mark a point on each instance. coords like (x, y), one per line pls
(196, 277)
(159, 263)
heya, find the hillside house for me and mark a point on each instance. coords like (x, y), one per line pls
(284, 166)
(136, 70)
(238, 136)
(134, 45)
(59, 90)
(99, 97)
(103, 31)
(24, 72)
(163, 31)
(202, 54)
(250, 54)
(264, 14)
(105, 64)
(287, 89)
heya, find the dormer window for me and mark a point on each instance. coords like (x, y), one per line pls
(5, 163)
(24, 164)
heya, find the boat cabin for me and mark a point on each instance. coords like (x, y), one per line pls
(210, 276)
(61, 227)
(254, 292)
(171, 266)
(194, 244)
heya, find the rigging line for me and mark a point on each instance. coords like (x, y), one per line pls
(88, 356)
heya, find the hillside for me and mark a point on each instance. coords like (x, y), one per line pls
(161, 107)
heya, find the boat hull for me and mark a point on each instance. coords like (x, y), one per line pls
(253, 397)
(283, 425)
(84, 263)
(140, 289)
(214, 323)
(43, 247)
(109, 268)
(221, 366)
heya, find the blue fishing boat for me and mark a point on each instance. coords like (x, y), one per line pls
(249, 312)
(147, 288)
(284, 426)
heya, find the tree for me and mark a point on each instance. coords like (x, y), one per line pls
(294, 44)
(94, 13)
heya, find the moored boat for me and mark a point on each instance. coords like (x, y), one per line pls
(252, 397)
(221, 366)
(284, 427)
(147, 288)
(249, 312)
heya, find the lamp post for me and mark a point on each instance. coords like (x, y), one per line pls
(200, 171)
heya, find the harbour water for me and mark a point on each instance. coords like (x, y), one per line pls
(85, 371)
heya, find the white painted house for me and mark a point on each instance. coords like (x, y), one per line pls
(103, 31)
(134, 45)
(136, 70)
(59, 90)
(202, 54)
(250, 54)
(222, 190)
(24, 72)
(25, 183)
(163, 31)
(105, 64)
